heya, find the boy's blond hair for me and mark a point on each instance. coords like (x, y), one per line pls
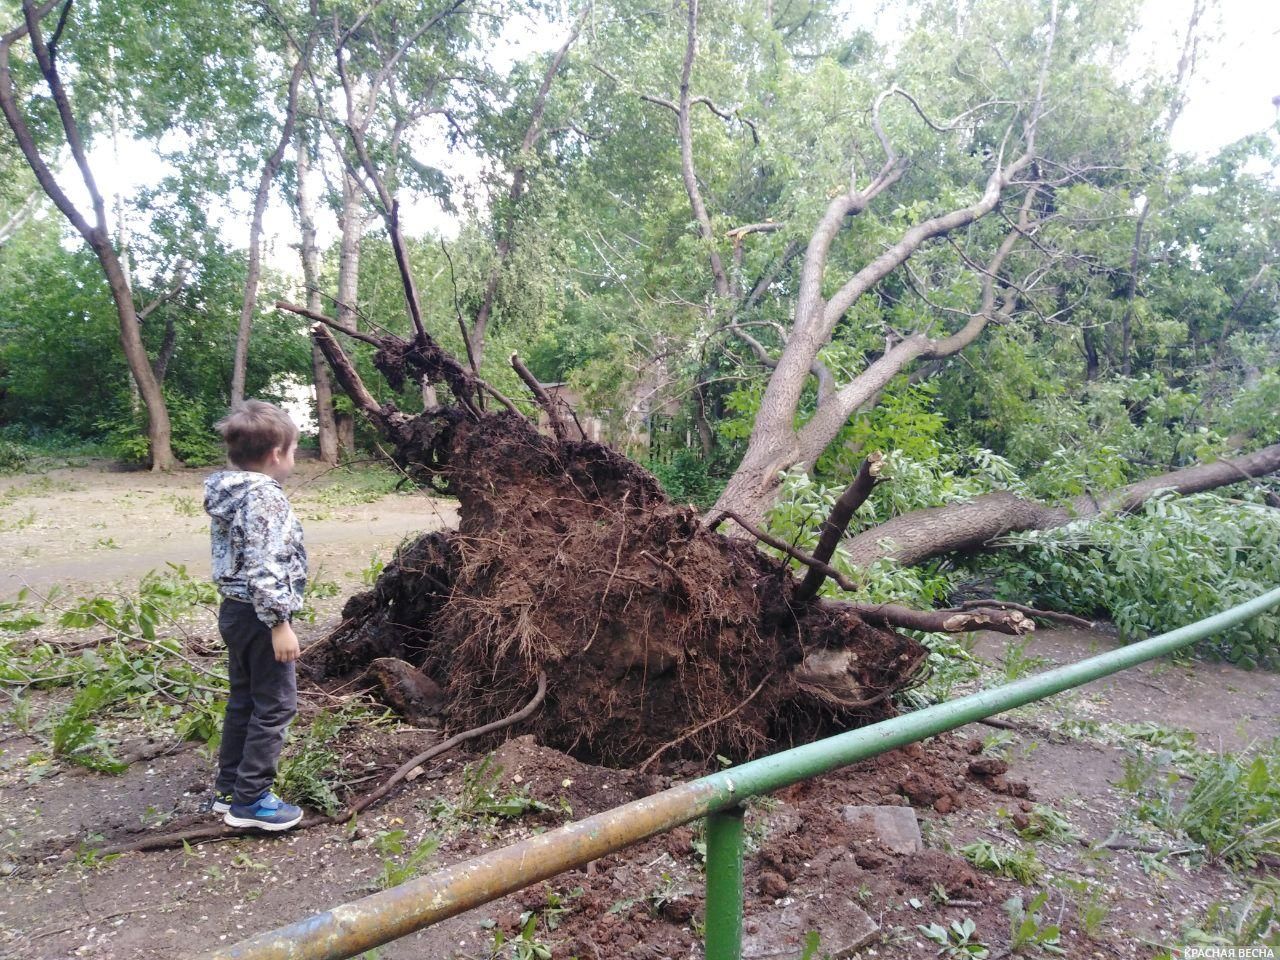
(253, 429)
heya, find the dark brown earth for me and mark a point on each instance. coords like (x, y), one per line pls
(657, 636)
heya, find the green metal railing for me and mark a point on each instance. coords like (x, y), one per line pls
(352, 928)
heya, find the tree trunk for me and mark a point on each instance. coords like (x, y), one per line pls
(159, 431)
(97, 235)
(922, 534)
(348, 287)
(254, 273)
(326, 432)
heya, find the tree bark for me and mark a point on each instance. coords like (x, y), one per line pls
(254, 273)
(326, 431)
(922, 534)
(348, 286)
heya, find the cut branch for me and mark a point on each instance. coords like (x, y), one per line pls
(1012, 622)
(833, 528)
(1032, 612)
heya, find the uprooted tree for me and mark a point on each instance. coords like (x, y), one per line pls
(657, 634)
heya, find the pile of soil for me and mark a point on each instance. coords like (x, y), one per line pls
(802, 849)
(656, 634)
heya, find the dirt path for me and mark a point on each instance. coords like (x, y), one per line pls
(92, 525)
(807, 865)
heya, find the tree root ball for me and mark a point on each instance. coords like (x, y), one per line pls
(658, 636)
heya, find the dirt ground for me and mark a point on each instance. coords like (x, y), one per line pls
(89, 526)
(809, 867)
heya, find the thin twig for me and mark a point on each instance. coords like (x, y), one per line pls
(523, 713)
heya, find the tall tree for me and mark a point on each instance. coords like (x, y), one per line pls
(96, 233)
(326, 429)
(269, 170)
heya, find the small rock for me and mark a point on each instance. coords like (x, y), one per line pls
(896, 828)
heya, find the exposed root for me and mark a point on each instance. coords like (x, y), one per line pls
(570, 560)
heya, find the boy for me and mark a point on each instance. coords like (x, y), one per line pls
(260, 568)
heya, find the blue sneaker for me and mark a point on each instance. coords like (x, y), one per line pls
(268, 812)
(220, 802)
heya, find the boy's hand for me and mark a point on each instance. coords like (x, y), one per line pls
(285, 642)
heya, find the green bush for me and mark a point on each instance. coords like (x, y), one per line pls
(193, 439)
(1179, 560)
(687, 479)
(14, 458)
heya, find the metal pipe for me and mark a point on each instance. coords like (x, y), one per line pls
(352, 928)
(724, 885)
(811, 759)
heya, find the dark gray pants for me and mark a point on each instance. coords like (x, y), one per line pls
(264, 698)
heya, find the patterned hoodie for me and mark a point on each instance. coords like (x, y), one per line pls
(258, 555)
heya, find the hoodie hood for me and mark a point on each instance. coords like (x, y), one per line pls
(225, 491)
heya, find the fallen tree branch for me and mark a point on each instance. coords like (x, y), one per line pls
(176, 838)
(164, 841)
(911, 538)
(891, 614)
(833, 528)
(540, 394)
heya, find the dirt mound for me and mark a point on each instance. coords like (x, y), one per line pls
(655, 633)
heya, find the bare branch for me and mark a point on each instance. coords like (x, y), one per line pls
(179, 278)
(328, 322)
(834, 526)
(540, 394)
